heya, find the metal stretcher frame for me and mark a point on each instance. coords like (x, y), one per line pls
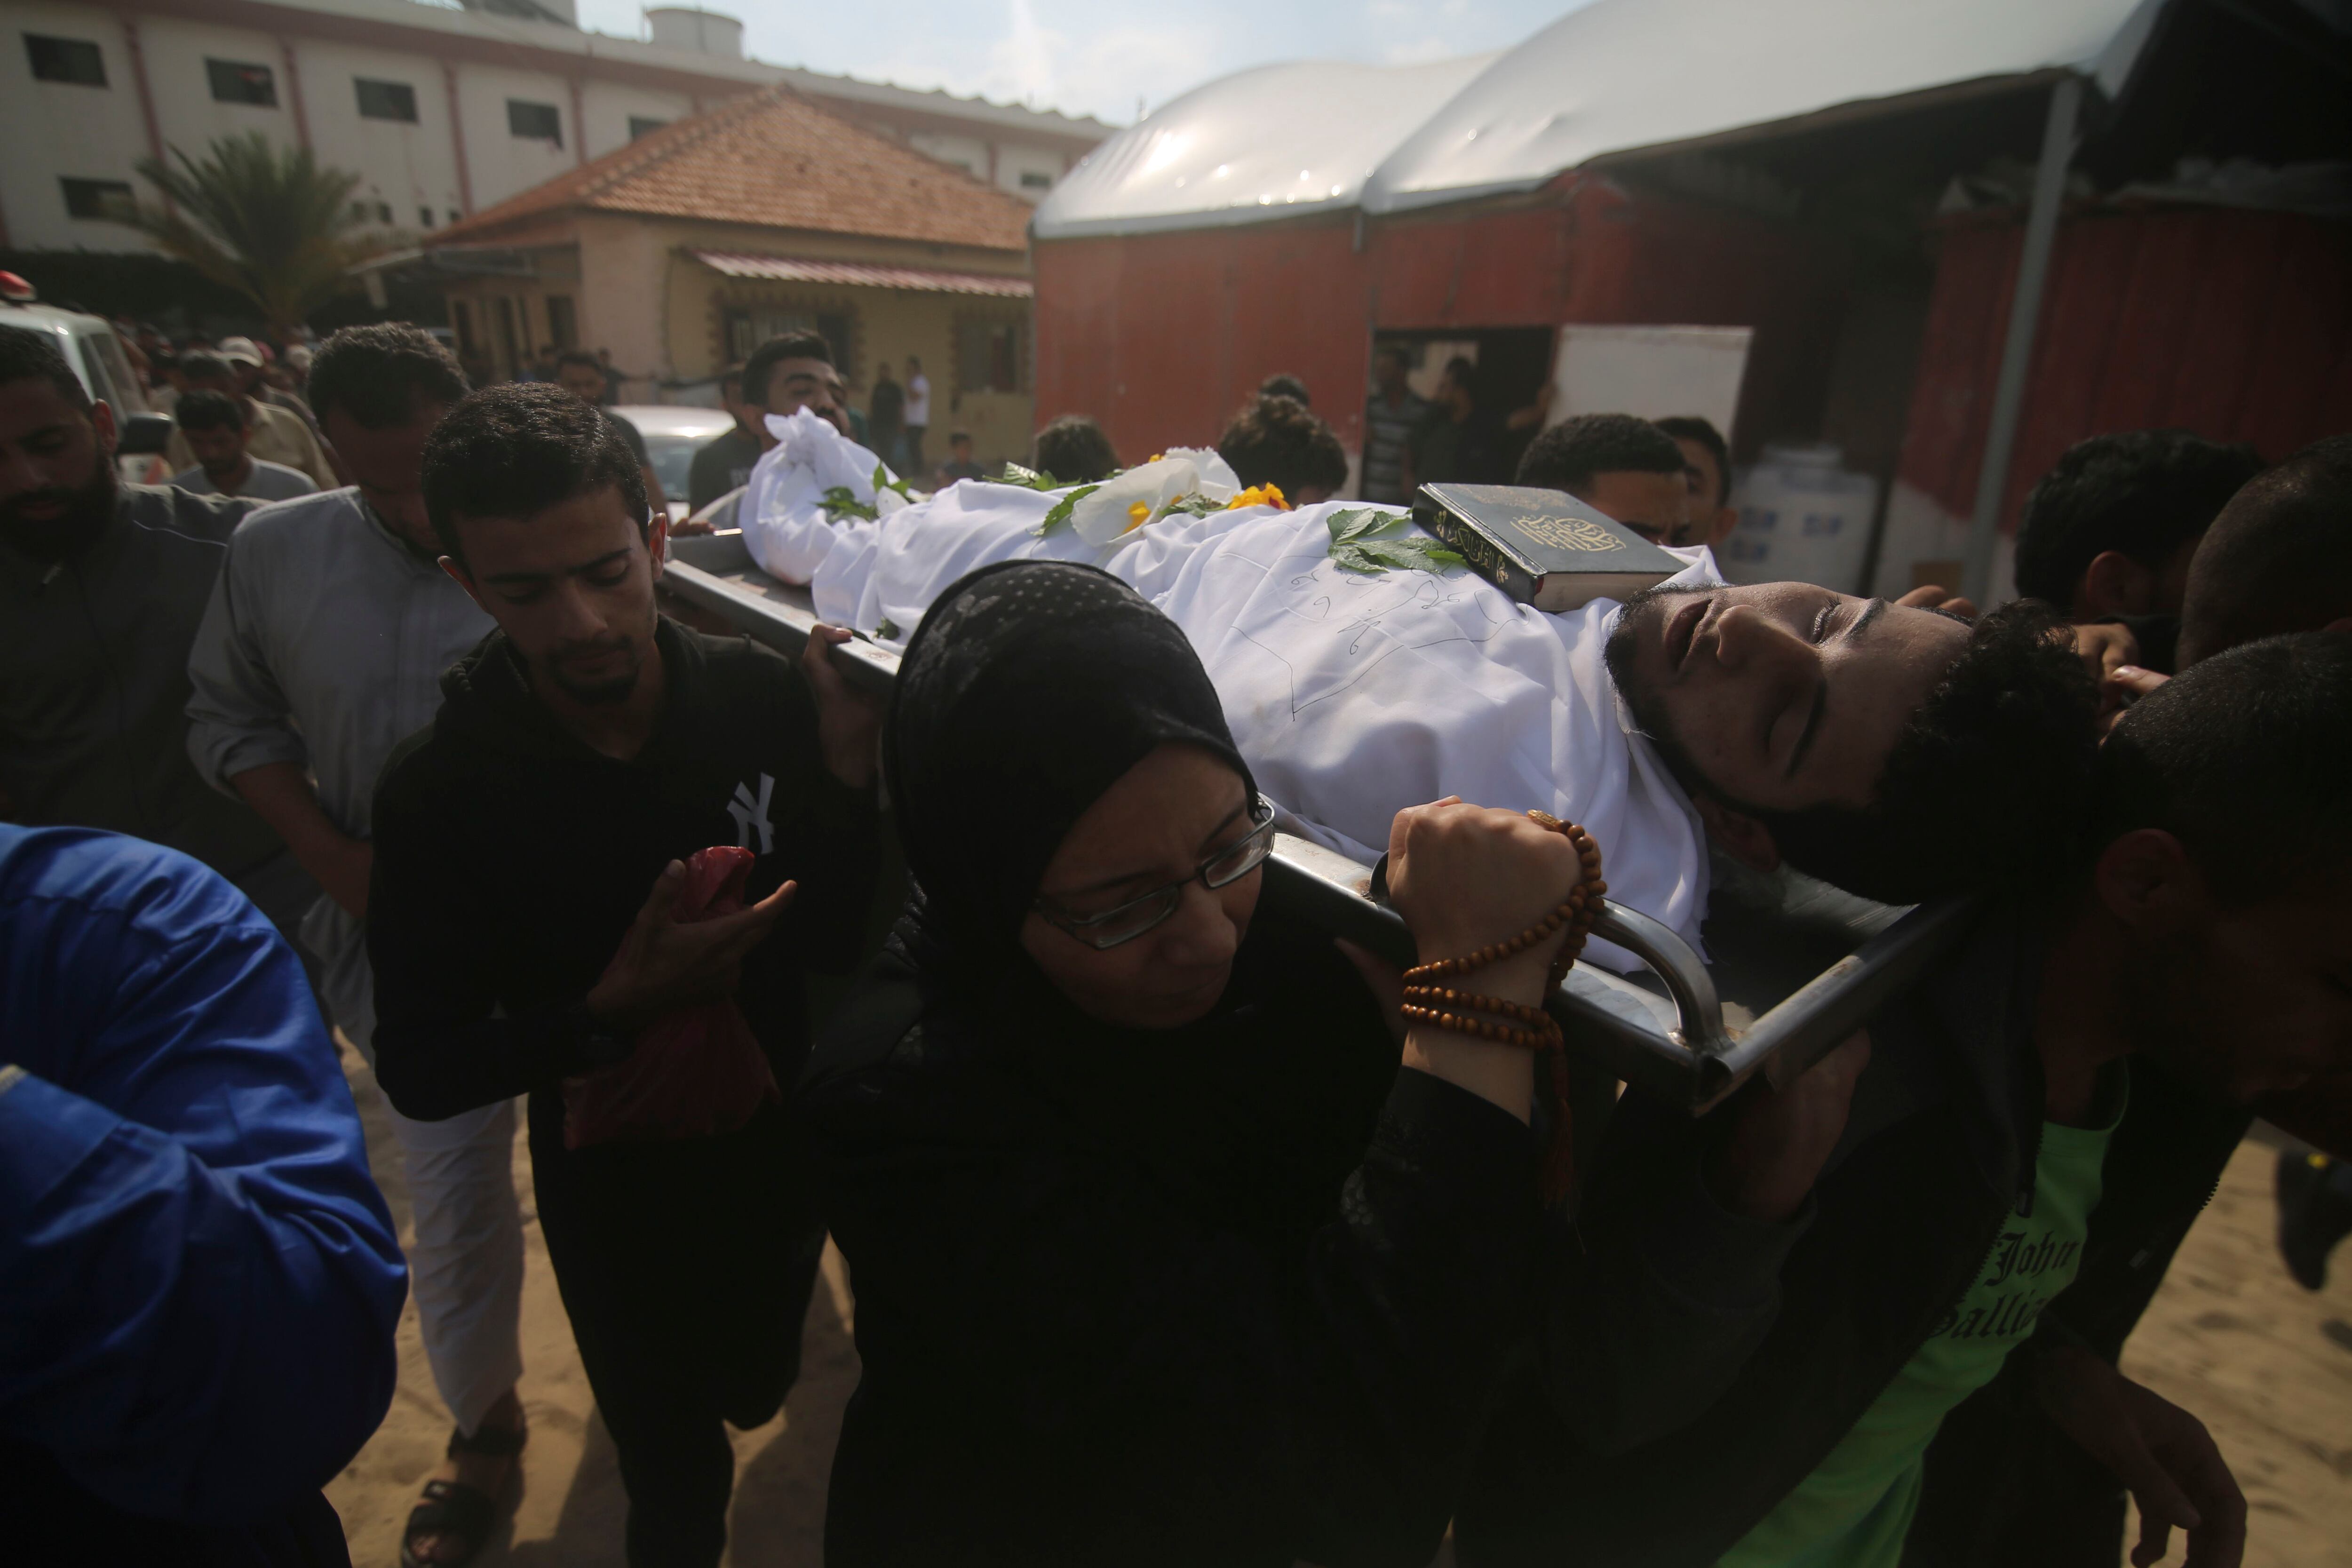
(1676, 1045)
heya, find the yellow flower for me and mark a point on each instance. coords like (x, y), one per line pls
(1138, 515)
(1259, 495)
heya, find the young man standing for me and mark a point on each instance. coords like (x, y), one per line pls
(960, 464)
(276, 435)
(528, 850)
(1707, 470)
(322, 651)
(102, 586)
(578, 373)
(2207, 928)
(216, 428)
(724, 462)
(919, 412)
(1629, 468)
(1396, 412)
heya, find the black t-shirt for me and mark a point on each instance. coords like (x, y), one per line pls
(511, 859)
(721, 464)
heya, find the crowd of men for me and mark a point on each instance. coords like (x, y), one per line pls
(384, 668)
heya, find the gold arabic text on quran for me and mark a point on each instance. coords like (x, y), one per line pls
(1568, 533)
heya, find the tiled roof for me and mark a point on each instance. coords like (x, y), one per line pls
(775, 160)
(793, 269)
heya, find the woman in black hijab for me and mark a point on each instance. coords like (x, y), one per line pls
(1159, 1256)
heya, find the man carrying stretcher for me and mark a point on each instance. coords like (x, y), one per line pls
(1854, 738)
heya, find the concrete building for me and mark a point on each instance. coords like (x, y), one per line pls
(681, 252)
(443, 112)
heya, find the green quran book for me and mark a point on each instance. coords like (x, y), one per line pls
(1544, 548)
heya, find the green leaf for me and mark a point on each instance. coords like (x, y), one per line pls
(1193, 505)
(1373, 558)
(841, 501)
(1360, 524)
(888, 631)
(883, 481)
(1062, 510)
(1029, 479)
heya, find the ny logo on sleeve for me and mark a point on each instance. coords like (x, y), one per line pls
(750, 815)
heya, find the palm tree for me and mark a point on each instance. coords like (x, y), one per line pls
(265, 221)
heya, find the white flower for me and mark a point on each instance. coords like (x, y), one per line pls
(1136, 497)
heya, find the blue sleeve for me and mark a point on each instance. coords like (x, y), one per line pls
(198, 1279)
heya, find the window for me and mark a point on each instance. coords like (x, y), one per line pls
(1030, 180)
(455, 214)
(989, 355)
(562, 323)
(386, 100)
(358, 212)
(384, 212)
(74, 60)
(461, 316)
(236, 82)
(640, 126)
(534, 121)
(746, 328)
(100, 199)
(425, 217)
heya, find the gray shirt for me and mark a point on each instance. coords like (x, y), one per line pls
(267, 482)
(94, 681)
(323, 646)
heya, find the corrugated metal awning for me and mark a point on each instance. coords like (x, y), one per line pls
(857, 274)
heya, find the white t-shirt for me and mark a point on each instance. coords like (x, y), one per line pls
(919, 399)
(268, 481)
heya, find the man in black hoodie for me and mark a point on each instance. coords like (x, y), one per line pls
(2209, 927)
(581, 751)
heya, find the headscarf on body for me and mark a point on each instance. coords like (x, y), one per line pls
(1029, 690)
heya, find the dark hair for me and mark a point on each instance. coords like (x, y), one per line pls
(1985, 787)
(205, 365)
(2143, 492)
(1397, 351)
(1464, 371)
(2278, 559)
(513, 451)
(955, 436)
(734, 376)
(380, 375)
(762, 365)
(1075, 450)
(1282, 442)
(2247, 760)
(25, 355)
(201, 410)
(1569, 455)
(1691, 427)
(1282, 384)
(579, 357)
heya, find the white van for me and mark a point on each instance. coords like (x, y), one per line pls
(90, 346)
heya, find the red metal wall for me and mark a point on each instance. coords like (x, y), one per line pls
(1162, 336)
(2235, 324)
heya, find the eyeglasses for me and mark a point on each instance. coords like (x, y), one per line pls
(1133, 917)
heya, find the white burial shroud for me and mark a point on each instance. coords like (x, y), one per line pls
(1351, 695)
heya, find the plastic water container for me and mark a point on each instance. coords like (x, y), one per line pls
(1802, 518)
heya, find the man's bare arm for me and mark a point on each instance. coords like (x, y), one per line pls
(283, 795)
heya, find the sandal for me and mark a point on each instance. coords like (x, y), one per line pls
(453, 1507)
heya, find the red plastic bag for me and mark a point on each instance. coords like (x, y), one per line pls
(697, 1071)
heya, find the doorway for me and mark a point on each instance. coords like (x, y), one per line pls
(1503, 369)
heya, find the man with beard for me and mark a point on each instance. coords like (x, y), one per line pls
(581, 752)
(102, 585)
(217, 429)
(2204, 925)
(322, 651)
(277, 435)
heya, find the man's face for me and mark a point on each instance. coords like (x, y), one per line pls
(1656, 505)
(2250, 999)
(573, 587)
(1711, 521)
(57, 469)
(811, 384)
(583, 382)
(248, 376)
(221, 451)
(388, 466)
(1783, 696)
(960, 450)
(1388, 371)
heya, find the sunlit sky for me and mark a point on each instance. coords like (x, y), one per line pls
(1097, 56)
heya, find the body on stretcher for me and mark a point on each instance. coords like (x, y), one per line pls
(1796, 966)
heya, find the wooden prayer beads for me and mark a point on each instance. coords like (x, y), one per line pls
(1441, 1006)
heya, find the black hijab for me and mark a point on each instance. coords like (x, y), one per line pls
(1028, 691)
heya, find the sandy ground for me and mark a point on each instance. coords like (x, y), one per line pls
(2266, 1364)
